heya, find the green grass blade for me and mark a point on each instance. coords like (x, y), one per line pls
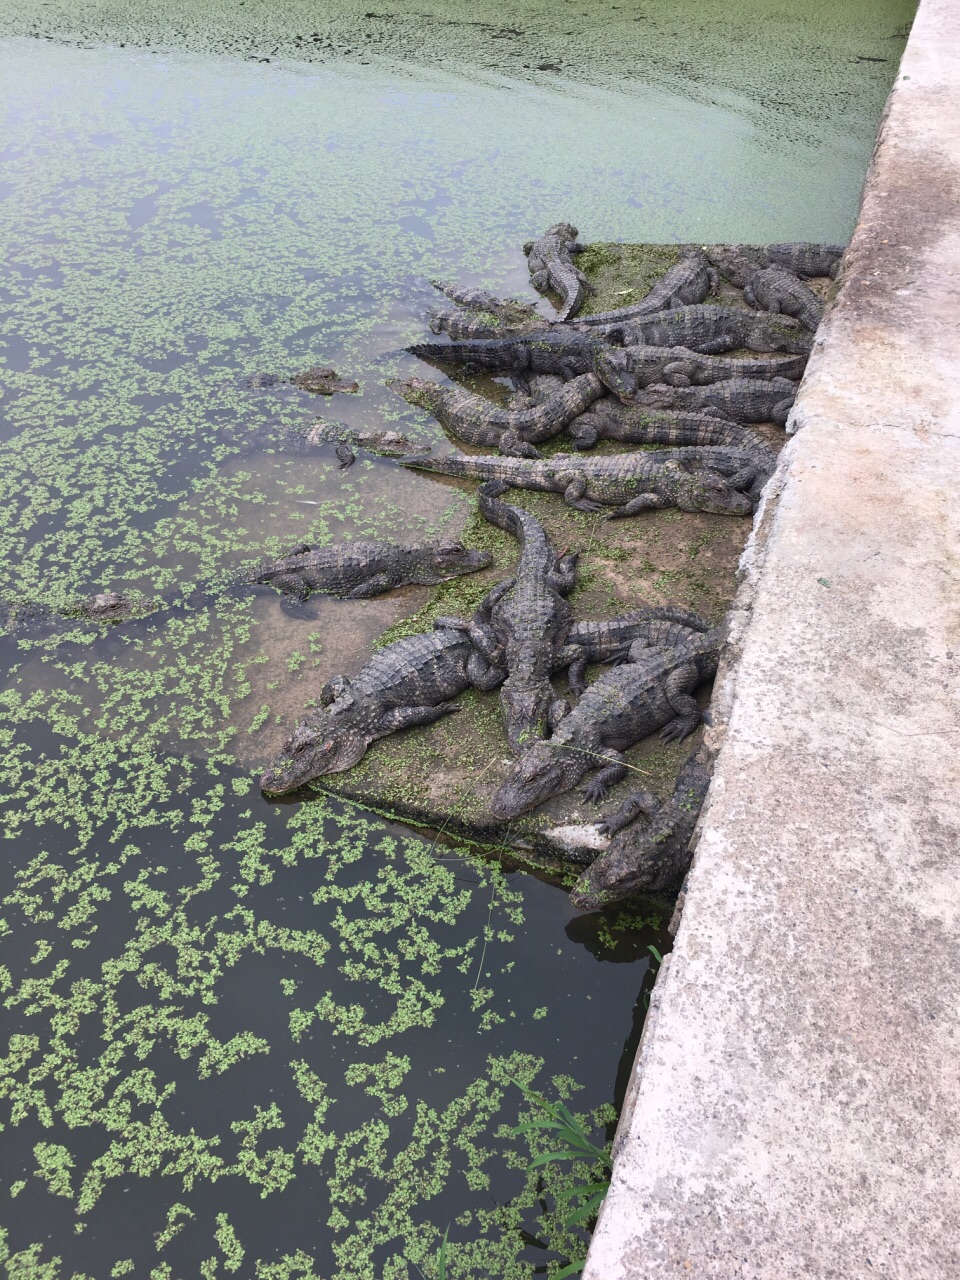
(442, 1257)
(571, 1269)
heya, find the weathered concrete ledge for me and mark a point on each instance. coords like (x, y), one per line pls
(795, 1109)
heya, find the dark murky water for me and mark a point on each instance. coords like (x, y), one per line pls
(279, 1040)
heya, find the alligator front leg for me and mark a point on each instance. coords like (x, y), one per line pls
(677, 691)
(576, 487)
(292, 587)
(642, 502)
(511, 446)
(406, 717)
(678, 373)
(574, 657)
(375, 586)
(599, 785)
(637, 802)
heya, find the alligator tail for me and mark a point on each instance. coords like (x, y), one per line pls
(460, 465)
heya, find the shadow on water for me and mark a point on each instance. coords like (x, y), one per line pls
(278, 1039)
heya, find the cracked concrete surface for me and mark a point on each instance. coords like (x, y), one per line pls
(795, 1106)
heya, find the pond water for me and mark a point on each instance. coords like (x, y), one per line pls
(281, 1040)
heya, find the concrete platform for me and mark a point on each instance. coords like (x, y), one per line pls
(795, 1107)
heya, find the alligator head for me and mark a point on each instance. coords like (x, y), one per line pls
(612, 367)
(328, 742)
(452, 558)
(545, 770)
(780, 333)
(563, 231)
(704, 490)
(419, 391)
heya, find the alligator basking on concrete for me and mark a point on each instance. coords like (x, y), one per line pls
(357, 570)
(805, 259)
(653, 691)
(552, 269)
(781, 292)
(514, 431)
(625, 370)
(479, 314)
(713, 330)
(739, 399)
(650, 858)
(561, 350)
(628, 482)
(523, 624)
(407, 683)
(687, 283)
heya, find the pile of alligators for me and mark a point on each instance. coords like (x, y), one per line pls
(671, 370)
(684, 378)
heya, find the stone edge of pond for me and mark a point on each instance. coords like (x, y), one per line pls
(793, 1107)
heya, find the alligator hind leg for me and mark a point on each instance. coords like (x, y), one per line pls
(573, 494)
(511, 446)
(642, 502)
(483, 675)
(781, 411)
(677, 690)
(564, 576)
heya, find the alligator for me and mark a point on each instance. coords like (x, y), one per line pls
(390, 444)
(324, 382)
(631, 424)
(652, 691)
(625, 370)
(357, 570)
(646, 859)
(687, 283)
(610, 639)
(805, 259)
(713, 330)
(628, 482)
(739, 399)
(413, 682)
(407, 683)
(522, 625)
(737, 262)
(479, 314)
(514, 431)
(552, 270)
(783, 293)
(561, 349)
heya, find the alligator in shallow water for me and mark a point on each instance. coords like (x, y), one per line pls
(514, 431)
(687, 283)
(629, 482)
(653, 691)
(625, 370)
(561, 349)
(552, 269)
(741, 400)
(357, 570)
(410, 682)
(713, 330)
(643, 858)
(781, 292)
(324, 382)
(390, 444)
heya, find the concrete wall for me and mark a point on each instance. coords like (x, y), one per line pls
(795, 1109)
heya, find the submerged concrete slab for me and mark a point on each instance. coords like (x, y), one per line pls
(795, 1106)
